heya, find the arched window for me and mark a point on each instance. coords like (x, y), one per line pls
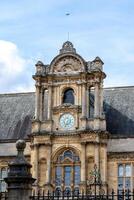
(68, 96)
(67, 171)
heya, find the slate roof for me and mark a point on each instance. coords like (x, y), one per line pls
(119, 110)
(17, 110)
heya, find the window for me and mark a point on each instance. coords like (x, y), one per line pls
(68, 96)
(67, 171)
(125, 176)
(3, 174)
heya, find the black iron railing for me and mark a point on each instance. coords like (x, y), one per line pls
(119, 195)
(64, 195)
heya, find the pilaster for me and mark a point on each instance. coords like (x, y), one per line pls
(83, 167)
(49, 102)
(96, 101)
(84, 100)
(37, 101)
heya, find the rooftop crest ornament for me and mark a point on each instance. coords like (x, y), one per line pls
(67, 47)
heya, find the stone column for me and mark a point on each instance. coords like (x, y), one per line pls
(84, 100)
(105, 164)
(101, 99)
(83, 166)
(49, 102)
(19, 179)
(97, 155)
(87, 94)
(96, 101)
(41, 104)
(36, 165)
(48, 172)
(37, 101)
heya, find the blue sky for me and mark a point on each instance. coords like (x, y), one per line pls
(32, 30)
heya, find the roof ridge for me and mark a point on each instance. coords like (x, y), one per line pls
(16, 94)
(118, 87)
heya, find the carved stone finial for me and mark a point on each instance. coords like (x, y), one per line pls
(39, 63)
(67, 47)
(96, 64)
(40, 69)
(20, 146)
(97, 59)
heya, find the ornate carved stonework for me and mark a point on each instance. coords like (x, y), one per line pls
(67, 64)
(66, 108)
(124, 156)
(88, 138)
(67, 47)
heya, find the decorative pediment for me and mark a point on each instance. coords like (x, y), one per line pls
(68, 64)
(68, 60)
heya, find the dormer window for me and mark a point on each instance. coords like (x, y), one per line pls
(68, 96)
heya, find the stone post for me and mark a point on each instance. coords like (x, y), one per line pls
(19, 179)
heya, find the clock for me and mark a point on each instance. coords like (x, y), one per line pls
(67, 121)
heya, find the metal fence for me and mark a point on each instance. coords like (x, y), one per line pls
(119, 195)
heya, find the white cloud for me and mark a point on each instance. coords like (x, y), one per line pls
(13, 69)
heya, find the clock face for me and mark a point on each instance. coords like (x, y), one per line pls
(67, 121)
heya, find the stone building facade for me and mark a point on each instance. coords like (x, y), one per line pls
(69, 132)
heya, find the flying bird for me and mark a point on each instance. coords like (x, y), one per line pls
(67, 14)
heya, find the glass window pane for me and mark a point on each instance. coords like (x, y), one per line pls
(67, 191)
(128, 170)
(120, 183)
(77, 175)
(3, 173)
(58, 191)
(76, 158)
(127, 183)
(3, 186)
(68, 96)
(58, 176)
(68, 154)
(68, 176)
(120, 170)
